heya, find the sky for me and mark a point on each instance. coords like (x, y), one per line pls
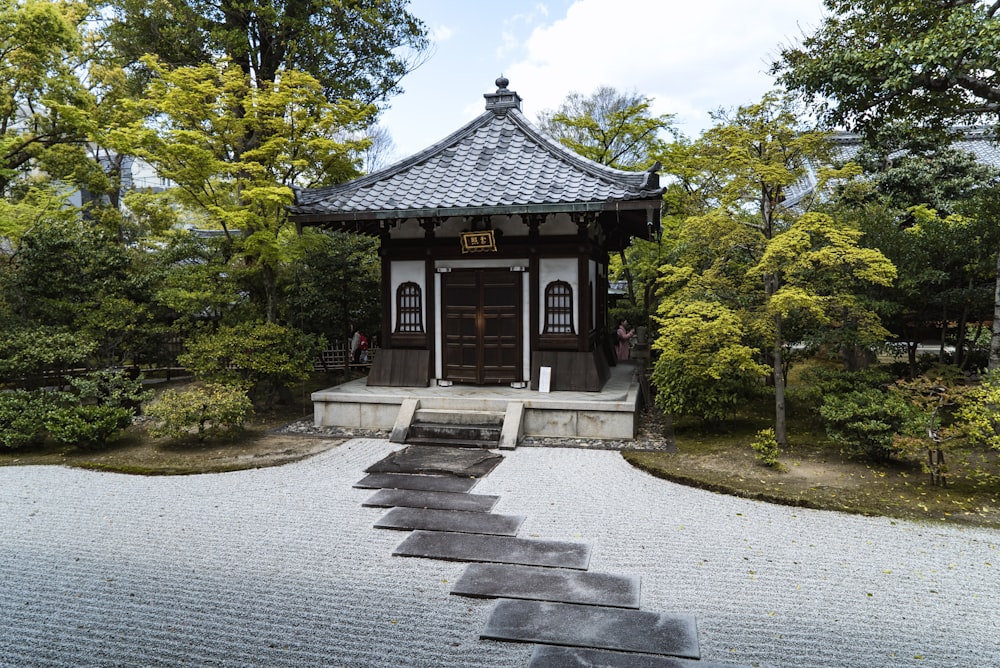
(690, 57)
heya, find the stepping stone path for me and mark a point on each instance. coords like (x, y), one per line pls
(544, 592)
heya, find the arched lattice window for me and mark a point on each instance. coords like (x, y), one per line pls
(558, 308)
(409, 314)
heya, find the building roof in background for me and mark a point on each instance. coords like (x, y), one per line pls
(978, 140)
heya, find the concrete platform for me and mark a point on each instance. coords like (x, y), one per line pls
(608, 414)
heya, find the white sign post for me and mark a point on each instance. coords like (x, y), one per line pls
(544, 378)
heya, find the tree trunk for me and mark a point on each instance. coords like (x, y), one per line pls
(995, 340)
(780, 428)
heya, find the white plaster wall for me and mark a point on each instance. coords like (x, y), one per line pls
(558, 269)
(409, 271)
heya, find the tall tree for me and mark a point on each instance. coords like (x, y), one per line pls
(609, 126)
(235, 151)
(924, 210)
(757, 270)
(887, 67)
(613, 128)
(39, 44)
(355, 49)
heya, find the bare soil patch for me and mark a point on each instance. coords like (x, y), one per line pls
(814, 473)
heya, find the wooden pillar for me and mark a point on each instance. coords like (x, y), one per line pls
(533, 306)
(583, 281)
(430, 295)
(386, 286)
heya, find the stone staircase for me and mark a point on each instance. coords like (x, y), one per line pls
(455, 428)
(469, 426)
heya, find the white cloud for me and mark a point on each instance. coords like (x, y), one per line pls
(510, 41)
(692, 58)
(441, 33)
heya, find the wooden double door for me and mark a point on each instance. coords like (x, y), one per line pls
(481, 311)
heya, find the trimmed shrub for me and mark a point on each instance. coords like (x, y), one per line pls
(102, 404)
(765, 444)
(210, 410)
(867, 422)
(260, 356)
(87, 426)
(22, 417)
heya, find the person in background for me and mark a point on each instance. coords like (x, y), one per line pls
(624, 334)
(356, 346)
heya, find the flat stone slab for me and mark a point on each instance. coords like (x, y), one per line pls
(546, 656)
(548, 584)
(412, 498)
(593, 627)
(428, 483)
(459, 521)
(494, 549)
(462, 462)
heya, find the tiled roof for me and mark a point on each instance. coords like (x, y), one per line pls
(498, 163)
(846, 145)
(977, 140)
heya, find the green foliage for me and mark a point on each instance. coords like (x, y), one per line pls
(28, 351)
(913, 63)
(210, 410)
(704, 368)
(609, 127)
(335, 283)
(23, 415)
(979, 413)
(766, 447)
(87, 426)
(67, 275)
(38, 46)
(779, 274)
(101, 405)
(355, 50)
(260, 356)
(867, 422)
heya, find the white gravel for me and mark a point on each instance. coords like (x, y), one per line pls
(281, 567)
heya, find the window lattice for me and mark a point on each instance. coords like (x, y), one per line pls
(409, 315)
(558, 308)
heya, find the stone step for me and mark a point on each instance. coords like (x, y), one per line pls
(548, 584)
(494, 549)
(457, 417)
(422, 459)
(455, 427)
(412, 498)
(547, 656)
(431, 432)
(437, 442)
(594, 627)
(427, 483)
(460, 521)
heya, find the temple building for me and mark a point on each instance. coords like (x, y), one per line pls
(494, 248)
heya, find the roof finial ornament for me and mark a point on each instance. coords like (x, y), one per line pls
(502, 100)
